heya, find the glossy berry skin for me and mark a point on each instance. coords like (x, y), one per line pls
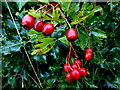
(78, 62)
(88, 56)
(75, 74)
(89, 50)
(39, 25)
(69, 77)
(71, 35)
(66, 68)
(28, 22)
(74, 66)
(83, 72)
(48, 29)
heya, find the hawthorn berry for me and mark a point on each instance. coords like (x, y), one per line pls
(74, 66)
(88, 56)
(71, 34)
(75, 74)
(66, 68)
(78, 62)
(47, 29)
(39, 25)
(89, 50)
(28, 22)
(69, 77)
(83, 71)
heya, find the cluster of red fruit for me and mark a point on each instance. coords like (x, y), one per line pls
(74, 72)
(28, 22)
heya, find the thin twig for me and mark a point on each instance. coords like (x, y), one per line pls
(44, 6)
(34, 80)
(24, 47)
(64, 17)
(52, 8)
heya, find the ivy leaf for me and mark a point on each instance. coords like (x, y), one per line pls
(44, 47)
(12, 82)
(11, 46)
(40, 58)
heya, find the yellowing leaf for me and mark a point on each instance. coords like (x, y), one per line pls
(44, 47)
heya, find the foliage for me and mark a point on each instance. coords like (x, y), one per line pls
(48, 53)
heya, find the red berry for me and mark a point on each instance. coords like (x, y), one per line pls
(71, 34)
(78, 62)
(39, 25)
(28, 22)
(48, 29)
(74, 66)
(88, 56)
(69, 78)
(66, 68)
(83, 71)
(75, 74)
(89, 50)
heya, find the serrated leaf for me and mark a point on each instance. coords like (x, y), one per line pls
(44, 47)
(110, 85)
(63, 40)
(80, 20)
(36, 15)
(98, 33)
(21, 3)
(96, 9)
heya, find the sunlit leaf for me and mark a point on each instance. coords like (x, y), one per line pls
(98, 33)
(63, 40)
(44, 47)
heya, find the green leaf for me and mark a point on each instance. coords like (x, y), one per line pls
(54, 68)
(63, 40)
(83, 38)
(36, 15)
(40, 58)
(96, 9)
(21, 3)
(109, 84)
(84, 6)
(35, 36)
(25, 75)
(78, 21)
(44, 1)
(44, 47)
(98, 33)
(17, 69)
(11, 46)
(12, 82)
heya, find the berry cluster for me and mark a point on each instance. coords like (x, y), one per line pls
(74, 72)
(28, 22)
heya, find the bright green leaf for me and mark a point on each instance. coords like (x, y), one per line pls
(63, 40)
